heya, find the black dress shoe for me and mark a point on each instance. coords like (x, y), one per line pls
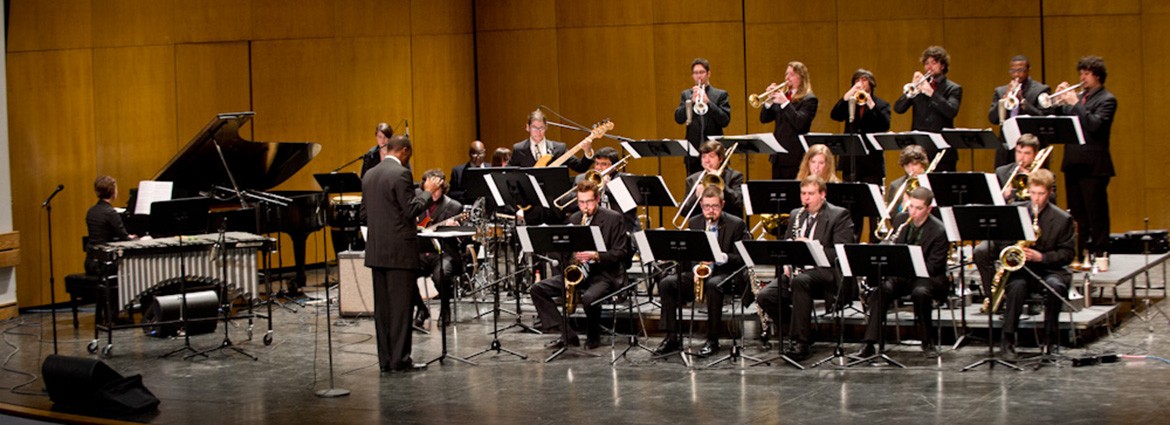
(866, 351)
(591, 343)
(668, 346)
(420, 316)
(711, 347)
(559, 343)
(408, 365)
(1007, 350)
(798, 352)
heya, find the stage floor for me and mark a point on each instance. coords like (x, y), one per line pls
(280, 386)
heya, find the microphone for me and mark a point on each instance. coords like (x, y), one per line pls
(407, 128)
(60, 187)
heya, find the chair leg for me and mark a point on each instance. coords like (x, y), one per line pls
(73, 306)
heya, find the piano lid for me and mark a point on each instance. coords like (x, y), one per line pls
(255, 165)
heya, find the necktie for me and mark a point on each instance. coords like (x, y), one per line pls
(812, 221)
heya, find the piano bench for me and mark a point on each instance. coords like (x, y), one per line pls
(83, 289)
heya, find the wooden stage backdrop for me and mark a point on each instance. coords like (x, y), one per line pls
(117, 87)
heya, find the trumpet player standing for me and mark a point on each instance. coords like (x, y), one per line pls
(605, 270)
(817, 221)
(915, 227)
(1046, 258)
(1089, 167)
(863, 113)
(703, 109)
(793, 108)
(935, 99)
(727, 229)
(1017, 97)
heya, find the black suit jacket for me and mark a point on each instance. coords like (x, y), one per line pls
(458, 186)
(894, 185)
(613, 262)
(865, 121)
(1096, 115)
(934, 113)
(791, 122)
(1028, 103)
(731, 229)
(718, 115)
(389, 207)
(833, 226)
(370, 160)
(933, 240)
(522, 155)
(732, 192)
(1057, 242)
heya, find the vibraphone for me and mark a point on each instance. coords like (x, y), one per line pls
(145, 264)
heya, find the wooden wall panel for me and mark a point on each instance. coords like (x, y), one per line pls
(442, 86)
(608, 73)
(441, 17)
(134, 111)
(499, 15)
(1155, 44)
(693, 11)
(1069, 38)
(370, 18)
(49, 25)
(374, 85)
(795, 11)
(990, 9)
(518, 71)
(212, 20)
(51, 132)
(981, 50)
(1091, 7)
(887, 10)
(133, 23)
(285, 19)
(210, 79)
(604, 13)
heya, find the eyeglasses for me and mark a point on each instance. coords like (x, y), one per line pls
(538, 128)
(709, 207)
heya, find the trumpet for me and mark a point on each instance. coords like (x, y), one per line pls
(860, 97)
(702, 271)
(758, 100)
(570, 196)
(912, 89)
(1011, 101)
(1019, 181)
(1045, 99)
(707, 179)
(701, 104)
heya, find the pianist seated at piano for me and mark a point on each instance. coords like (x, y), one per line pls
(103, 223)
(442, 265)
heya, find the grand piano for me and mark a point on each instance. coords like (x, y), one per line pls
(198, 170)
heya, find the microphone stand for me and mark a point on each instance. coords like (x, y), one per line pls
(359, 158)
(48, 206)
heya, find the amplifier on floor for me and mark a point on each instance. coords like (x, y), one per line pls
(1133, 242)
(91, 385)
(167, 308)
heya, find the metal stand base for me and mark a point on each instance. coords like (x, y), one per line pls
(332, 392)
(498, 349)
(633, 343)
(991, 361)
(838, 353)
(879, 356)
(735, 355)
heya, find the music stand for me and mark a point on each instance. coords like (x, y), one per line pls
(477, 185)
(968, 138)
(682, 247)
(897, 141)
(521, 190)
(183, 216)
(630, 192)
(797, 254)
(553, 181)
(747, 144)
(847, 144)
(952, 189)
(564, 240)
(878, 262)
(445, 295)
(989, 223)
(1050, 130)
(658, 149)
(861, 199)
(770, 197)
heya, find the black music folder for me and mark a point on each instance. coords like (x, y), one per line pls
(515, 189)
(1050, 130)
(764, 143)
(987, 223)
(967, 138)
(846, 144)
(183, 216)
(861, 199)
(632, 191)
(771, 196)
(963, 188)
(898, 141)
(659, 148)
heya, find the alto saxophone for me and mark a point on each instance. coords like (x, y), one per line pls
(1011, 258)
(574, 274)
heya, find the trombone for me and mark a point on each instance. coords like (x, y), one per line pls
(758, 100)
(1045, 99)
(567, 198)
(885, 227)
(1018, 182)
(912, 89)
(706, 179)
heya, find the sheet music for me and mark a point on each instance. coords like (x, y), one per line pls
(150, 191)
(878, 200)
(525, 241)
(768, 139)
(621, 194)
(644, 250)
